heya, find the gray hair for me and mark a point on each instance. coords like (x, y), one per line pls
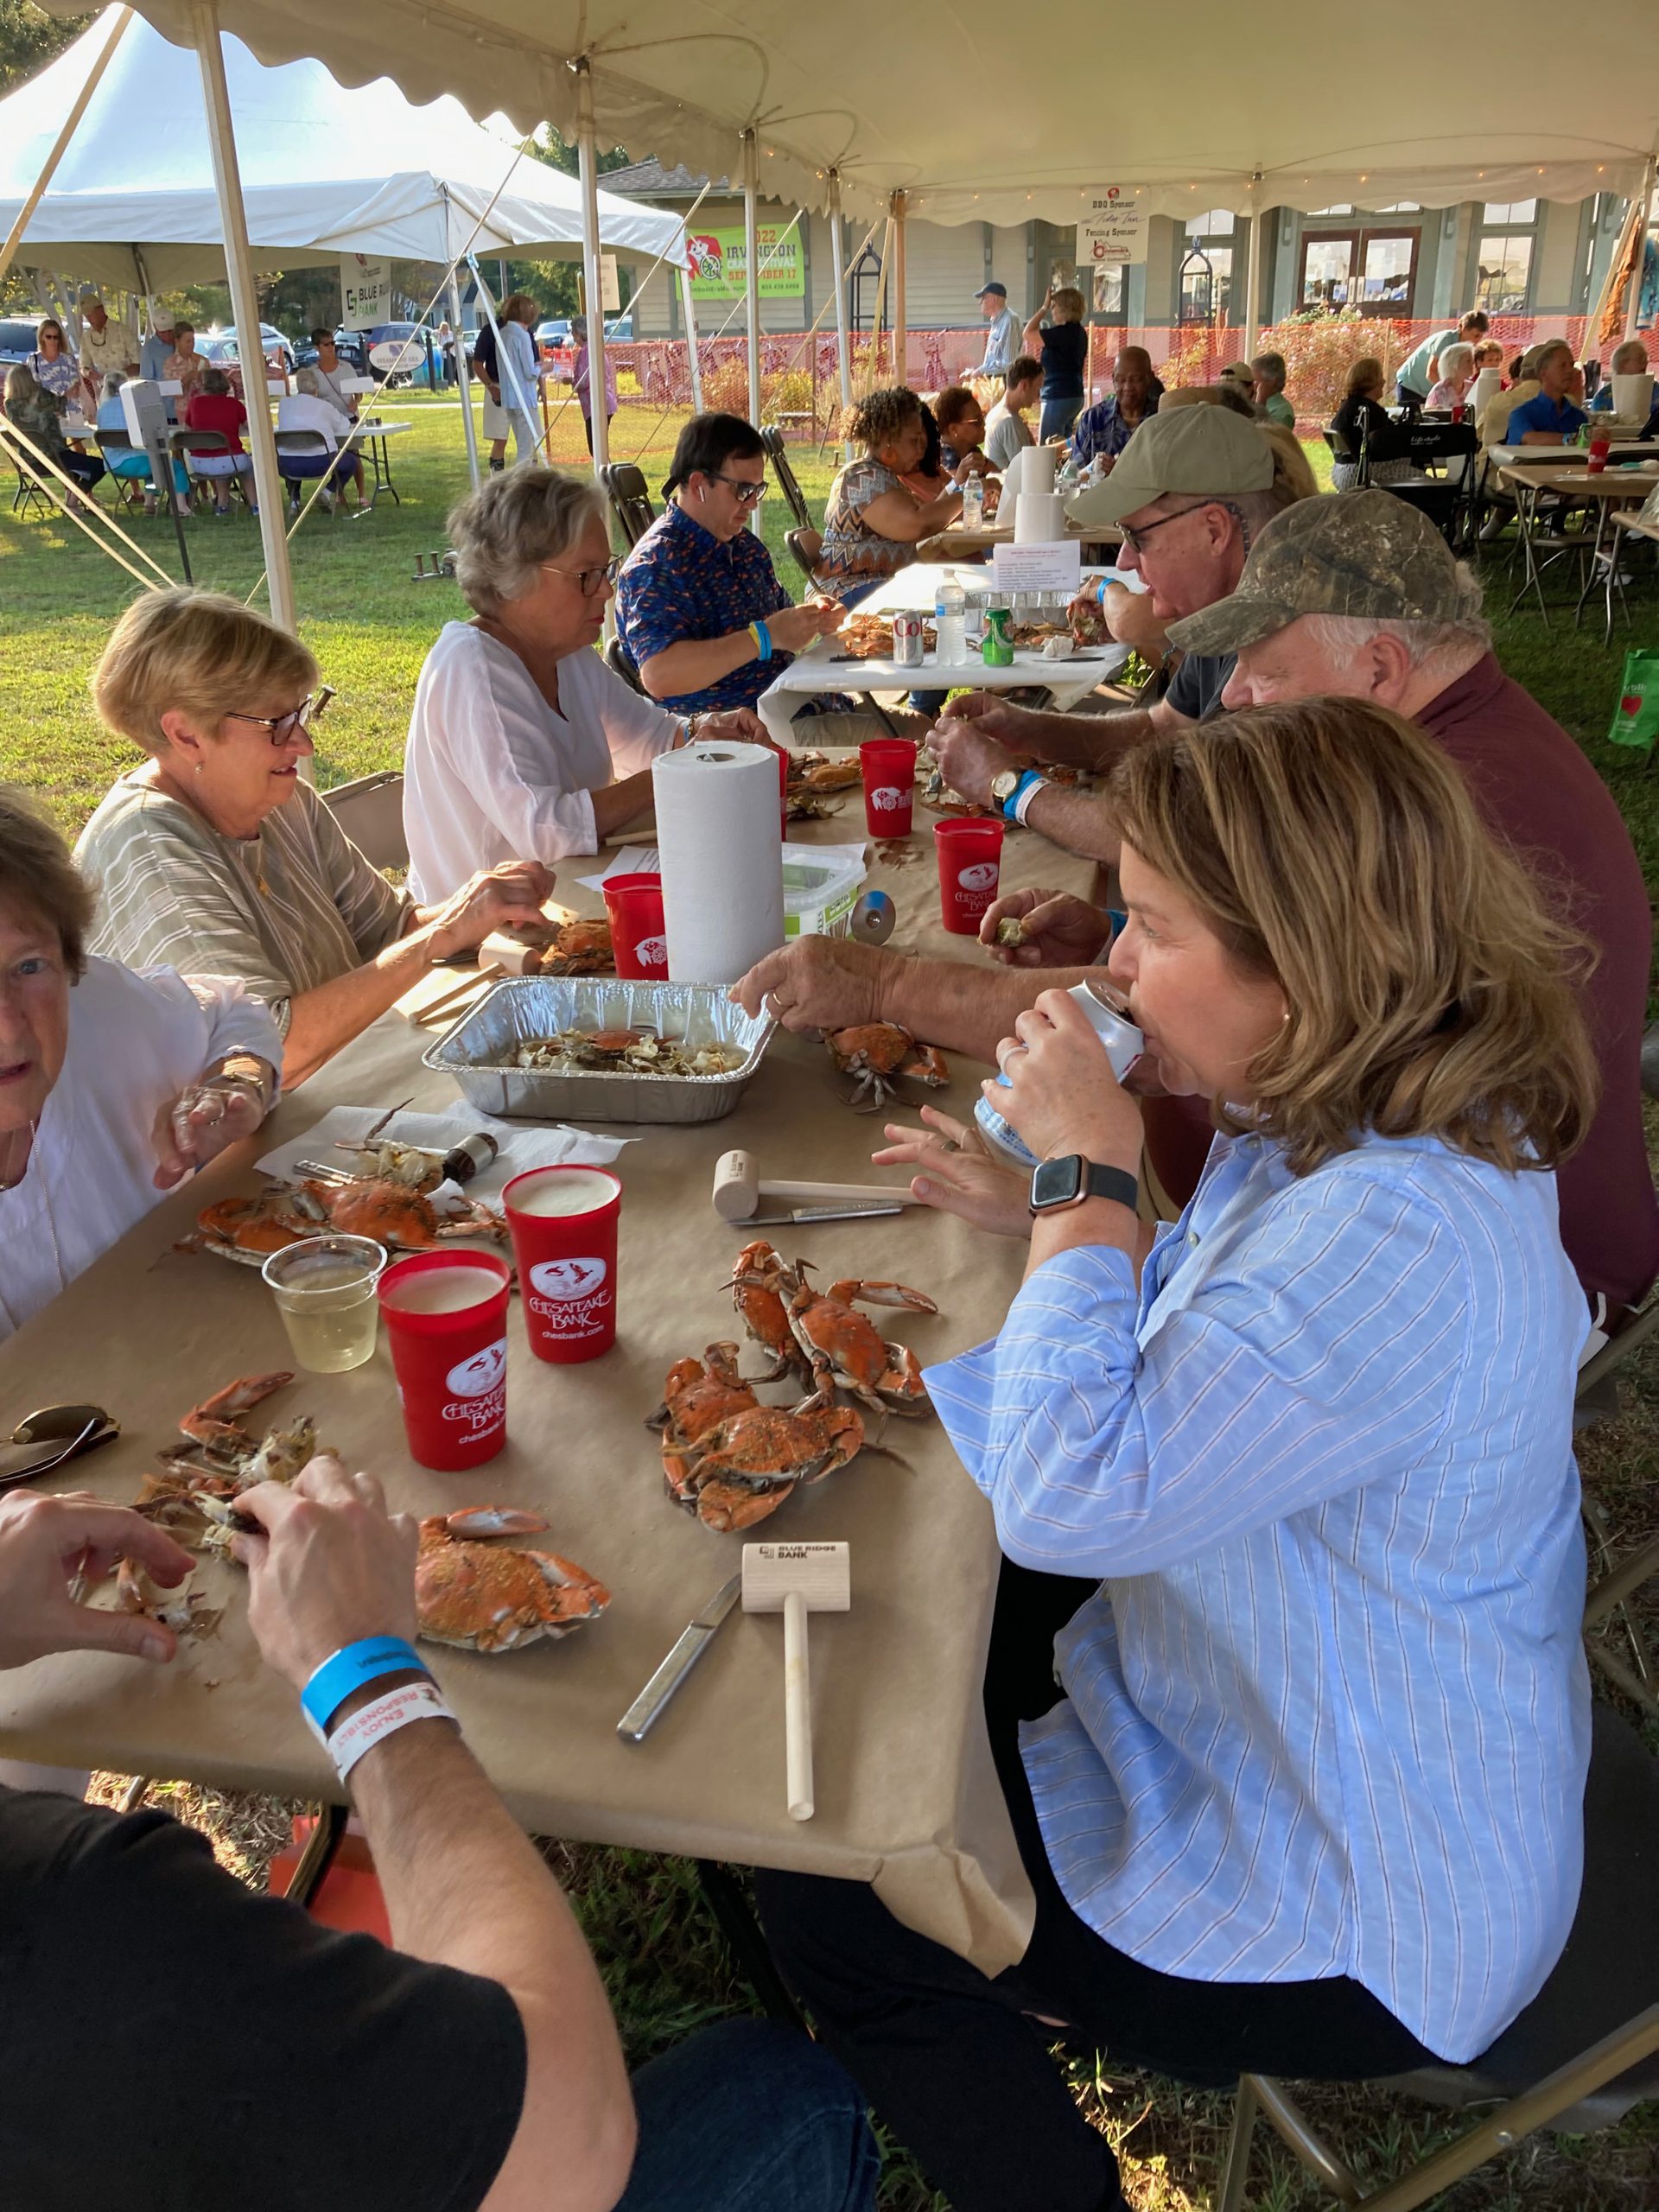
(1429, 646)
(113, 380)
(505, 531)
(1271, 366)
(1457, 360)
(306, 380)
(1635, 350)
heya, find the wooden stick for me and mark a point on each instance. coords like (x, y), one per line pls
(797, 1709)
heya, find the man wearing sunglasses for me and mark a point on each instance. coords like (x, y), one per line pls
(699, 608)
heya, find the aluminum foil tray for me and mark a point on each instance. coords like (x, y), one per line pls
(478, 1049)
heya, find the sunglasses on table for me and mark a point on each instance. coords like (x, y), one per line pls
(280, 729)
(592, 581)
(66, 1432)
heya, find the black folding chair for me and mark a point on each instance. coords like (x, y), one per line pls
(630, 497)
(788, 482)
(29, 494)
(617, 660)
(118, 451)
(187, 447)
(805, 546)
(1449, 500)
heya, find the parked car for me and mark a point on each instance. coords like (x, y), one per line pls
(619, 329)
(272, 342)
(19, 338)
(553, 337)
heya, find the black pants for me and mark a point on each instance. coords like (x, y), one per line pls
(950, 2058)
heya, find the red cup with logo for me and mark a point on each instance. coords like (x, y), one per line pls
(970, 860)
(1601, 444)
(446, 1317)
(635, 904)
(888, 767)
(563, 1223)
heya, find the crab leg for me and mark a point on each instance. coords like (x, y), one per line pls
(880, 1293)
(207, 1424)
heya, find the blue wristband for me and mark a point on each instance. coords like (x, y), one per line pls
(765, 636)
(348, 1669)
(1027, 782)
(1100, 593)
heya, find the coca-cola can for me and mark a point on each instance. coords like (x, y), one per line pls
(907, 640)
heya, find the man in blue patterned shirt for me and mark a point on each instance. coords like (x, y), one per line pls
(699, 608)
(1103, 430)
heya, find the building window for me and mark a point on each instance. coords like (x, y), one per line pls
(1508, 214)
(1373, 270)
(1344, 210)
(1327, 272)
(1504, 271)
(1206, 283)
(1216, 223)
(1107, 298)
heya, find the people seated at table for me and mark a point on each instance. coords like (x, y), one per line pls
(930, 476)
(1554, 416)
(1456, 374)
(1492, 423)
(114, 1083)
(1629, 359)
(328, 372)
(1102, 431)
(1419, 372)
(961, 421)
(308, 407)
(215, 857)
(1059, 336)
(1005, 427)
(253, 2057)
(212, 406)
(1286, 1493)
(184, 365)
(1269, 372)
(699, 609)
(1489, 356)
(1405, 634)
(872, 523)
(523, 744)
(130, 464)
(1366, 427)
(52, 364)
(33, 410)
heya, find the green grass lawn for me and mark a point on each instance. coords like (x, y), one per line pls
(371, 625)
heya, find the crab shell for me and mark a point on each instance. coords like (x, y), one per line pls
(745, 1467)
(580, 948)
(846, 1349)
(479, 1599)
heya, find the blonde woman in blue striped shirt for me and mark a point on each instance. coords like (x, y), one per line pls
(1293, 1482)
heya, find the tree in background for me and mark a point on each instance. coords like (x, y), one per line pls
(554, 283)
(29, 38)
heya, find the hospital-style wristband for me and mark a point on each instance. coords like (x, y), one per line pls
(382, 1717)
(1100, 592)
(762, 638)
(348, 1669)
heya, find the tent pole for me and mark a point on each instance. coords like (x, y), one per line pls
(689, 307)
(60, 144)
(463, 380)
(593, 284)
(838, 252)
(245, 303)
(1253, 276)
(752, 271)
(1633, 296)
(900, 332)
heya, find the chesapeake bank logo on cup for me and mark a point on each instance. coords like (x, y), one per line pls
(572, 1297)
(888, 800)
(478, 1389)
(981, 877)
(652, 952)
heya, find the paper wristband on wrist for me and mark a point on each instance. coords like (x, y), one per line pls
(1024, 797)
(348, 1669)
(382, 1717)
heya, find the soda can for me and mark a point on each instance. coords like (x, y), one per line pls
(1123, 1045)
(907, 640)
(997, 650)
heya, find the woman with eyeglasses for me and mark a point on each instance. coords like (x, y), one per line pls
(523, 743)
(699, 608)
(873, 522)
(213, 856)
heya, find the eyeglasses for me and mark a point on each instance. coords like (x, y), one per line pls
(1132, 538)
(592, 581)
(280, 729)
(746, 493)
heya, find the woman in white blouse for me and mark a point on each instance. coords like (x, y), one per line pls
(113, 1082)
(523, 745)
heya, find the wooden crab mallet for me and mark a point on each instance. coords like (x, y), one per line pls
(739, 1190)
(796, 1579)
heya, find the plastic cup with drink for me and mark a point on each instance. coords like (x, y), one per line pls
(1123, 1045)
(325, 1291)
(639, 938)
(446, 1315)
(888, 767)
(971, 862)
(563, 1221)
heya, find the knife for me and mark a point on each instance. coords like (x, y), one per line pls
(861, 1212)
(642, 1715)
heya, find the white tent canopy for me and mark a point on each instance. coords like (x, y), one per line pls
(1203, 109)
(326, 171)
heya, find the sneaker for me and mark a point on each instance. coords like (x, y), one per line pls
(498, 467)
(293, 509)
(329, 502)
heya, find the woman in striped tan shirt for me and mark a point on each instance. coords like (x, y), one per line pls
(214, 857)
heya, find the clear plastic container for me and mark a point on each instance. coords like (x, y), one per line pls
(950, 619)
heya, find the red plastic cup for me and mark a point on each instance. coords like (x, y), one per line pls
(446, 1317)
(970, 860)
(635, 904)
(566, 1258)
(1599, 445)
(889, 766)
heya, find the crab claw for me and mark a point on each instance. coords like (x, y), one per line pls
(494, 1520)
(882, 1293)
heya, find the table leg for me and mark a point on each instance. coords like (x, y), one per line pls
(1604, 508)
(383, 473)
(748, 1946)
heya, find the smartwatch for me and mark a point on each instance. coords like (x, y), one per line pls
(1057, 1184)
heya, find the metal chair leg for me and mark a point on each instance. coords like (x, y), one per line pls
(1286, 2116)
(746, 1944)
(1230, 2195)
(318, 1856)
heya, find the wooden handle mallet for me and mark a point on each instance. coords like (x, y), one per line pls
(796, 1579)
(739, 1190)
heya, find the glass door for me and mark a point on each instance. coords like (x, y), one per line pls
(1328, 263)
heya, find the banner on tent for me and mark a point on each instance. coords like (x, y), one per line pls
(365, 292)
(1113, 229)
(719, 265)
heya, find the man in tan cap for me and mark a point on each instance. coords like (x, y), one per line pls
(1191, 490)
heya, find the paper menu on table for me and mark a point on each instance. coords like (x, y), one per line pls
(521, 1147)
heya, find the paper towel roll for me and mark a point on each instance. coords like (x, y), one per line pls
(1040, 463)
(1633, 399)
(1040, 519)
(716, 805)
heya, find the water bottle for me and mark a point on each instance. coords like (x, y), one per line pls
(951, 620)
(973, 504)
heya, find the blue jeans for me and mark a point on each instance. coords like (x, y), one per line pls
(750, 2117)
